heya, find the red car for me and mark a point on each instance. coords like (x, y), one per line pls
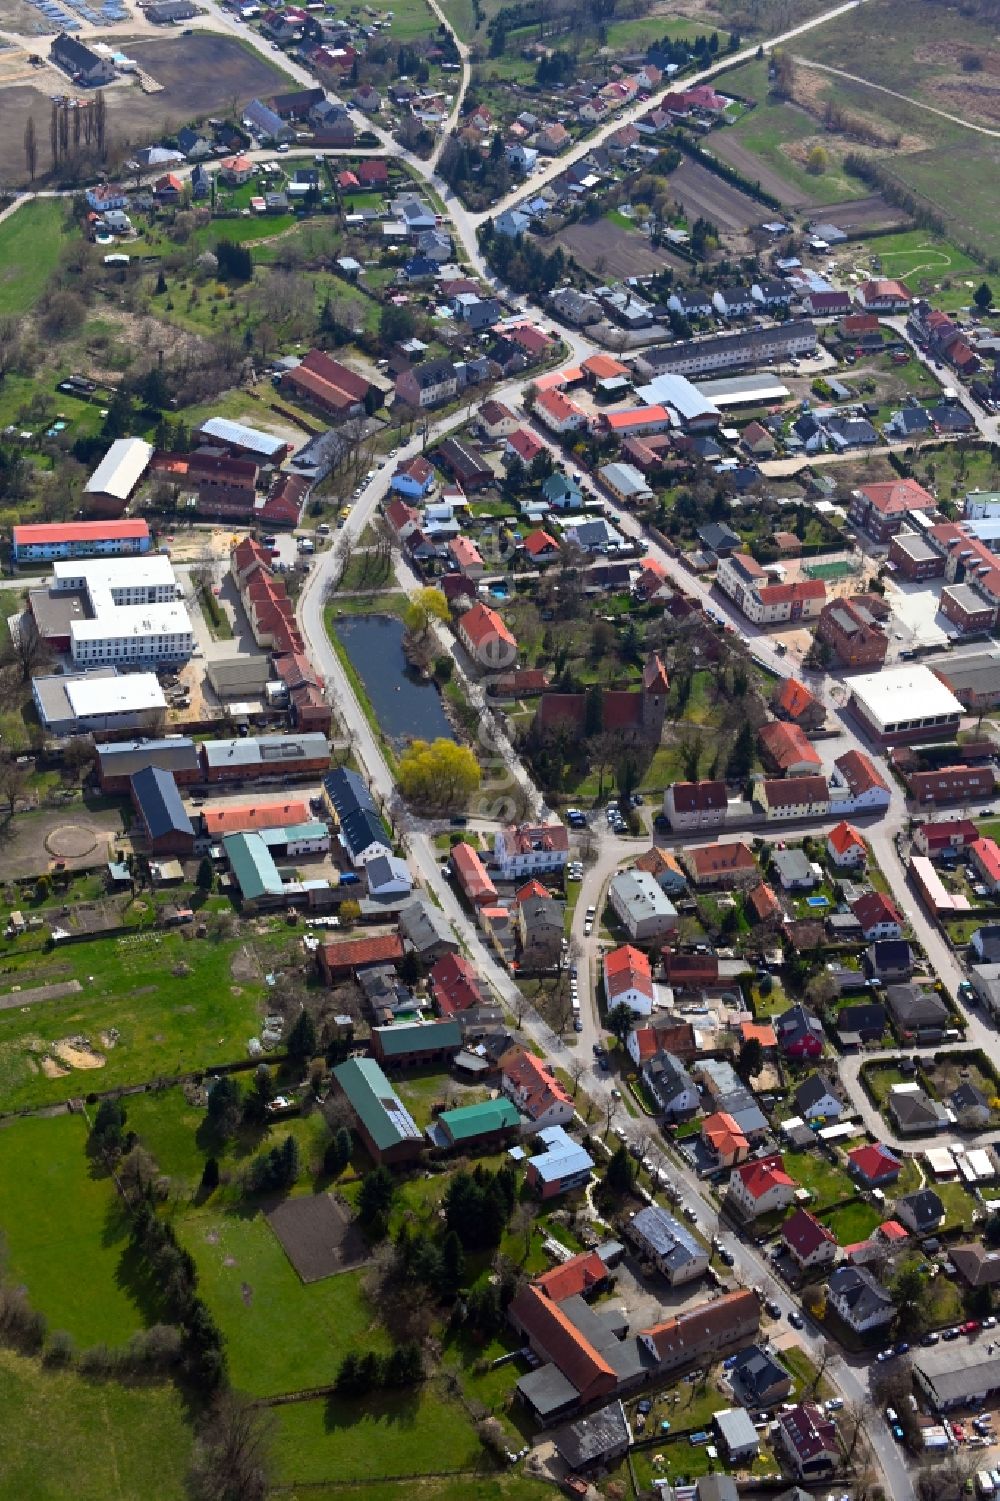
(969, 1327)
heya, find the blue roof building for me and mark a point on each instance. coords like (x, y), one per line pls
(564, 1165)
(362, 831)
(161, 812)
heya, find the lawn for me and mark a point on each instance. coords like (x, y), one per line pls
(64, 1234)
(922, 260)
(960, 1207)
(173, 1002)
(281, 1335)
(795, 1359)
(91, 1440)
(388, 1434)
(853, 1222)
(512, 1485)
(825, 1181)
(168, 1128)
(30, 244)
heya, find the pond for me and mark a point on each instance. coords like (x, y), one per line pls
(406, 706)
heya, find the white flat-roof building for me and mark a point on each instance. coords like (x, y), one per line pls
(120, 470)
(134, 613)
(901, 704)
(73, 704)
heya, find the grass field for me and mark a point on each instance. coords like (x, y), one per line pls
(95, 1441)
(167, 1021)
(928, 264)
(513, 1485)
(385, 1434)
(64, 1233)
(281, 1335)
(30, 242)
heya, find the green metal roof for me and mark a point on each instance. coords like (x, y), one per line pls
(252, 865)
(382, 1112)
(470, 1121)
(412, 1037)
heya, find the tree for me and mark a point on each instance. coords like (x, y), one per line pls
(107, 1135)
(26, 649)
(817, 161)
(909, 1290)
(741, 756)
(438, 774)
(620, 1172)
(451, 1271)
(426, 606)
(338, 1153)
(231, 1458)
(301, 1039)
(983, 297)
(206, 874)
(621, 1020)
(30, 149)
(225, 1107)
(210, 1174)
(258, 1097)
(375, 1197)
(751, 1058)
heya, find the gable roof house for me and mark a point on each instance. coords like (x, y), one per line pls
(914, 1113)
(760, 1187)
(808, 1240)
(386, 1127)
(809, 1438)
(799, 1033)
(628, 978)
(878, 915)
(816, 1098)
(535, 1090)
(664, 1241)
(874, 1164)
(859, 1299)
(921, 1211)
(671, 1086)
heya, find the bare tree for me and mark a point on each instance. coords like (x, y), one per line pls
(576, 1072)
(13, 779)
(30, 149)
(54, 134)
(231, 1460)
(611, 1108)
(27, 649)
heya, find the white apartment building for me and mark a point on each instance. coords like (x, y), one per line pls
(135, 614)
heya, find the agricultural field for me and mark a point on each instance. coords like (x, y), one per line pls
(609, 249)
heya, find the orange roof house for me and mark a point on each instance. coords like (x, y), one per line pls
(470, 872)
(793, 700)
(219, 821)
(721, 1133)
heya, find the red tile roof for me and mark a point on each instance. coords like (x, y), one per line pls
(758, 1178)
(874, 1161)
(786, 745)
(482, 624)
(455, 984)
(353, 953)
(722, 1133)
(625, 969)
(764, 902)
(525, 445)
(534, 1077)
(859, 773)
(547, 1326)
(471, 874)
(573, 1278)
(538, 542)
(795, 699)
(229, 820)
(710, 859)
(987, 855)
(783, 594)
(789, 792)
(874, 907)
(804, 1233)
(893, 497)
(79, 531)
(845, 837)
(699, 797)
(698, 1330)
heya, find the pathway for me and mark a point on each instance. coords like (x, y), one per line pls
(880, 88)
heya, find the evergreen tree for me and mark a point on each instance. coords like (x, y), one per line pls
(620, 1174)
(225, 1105)
(301, 1040)
(452, 1269)
(210, 1174)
